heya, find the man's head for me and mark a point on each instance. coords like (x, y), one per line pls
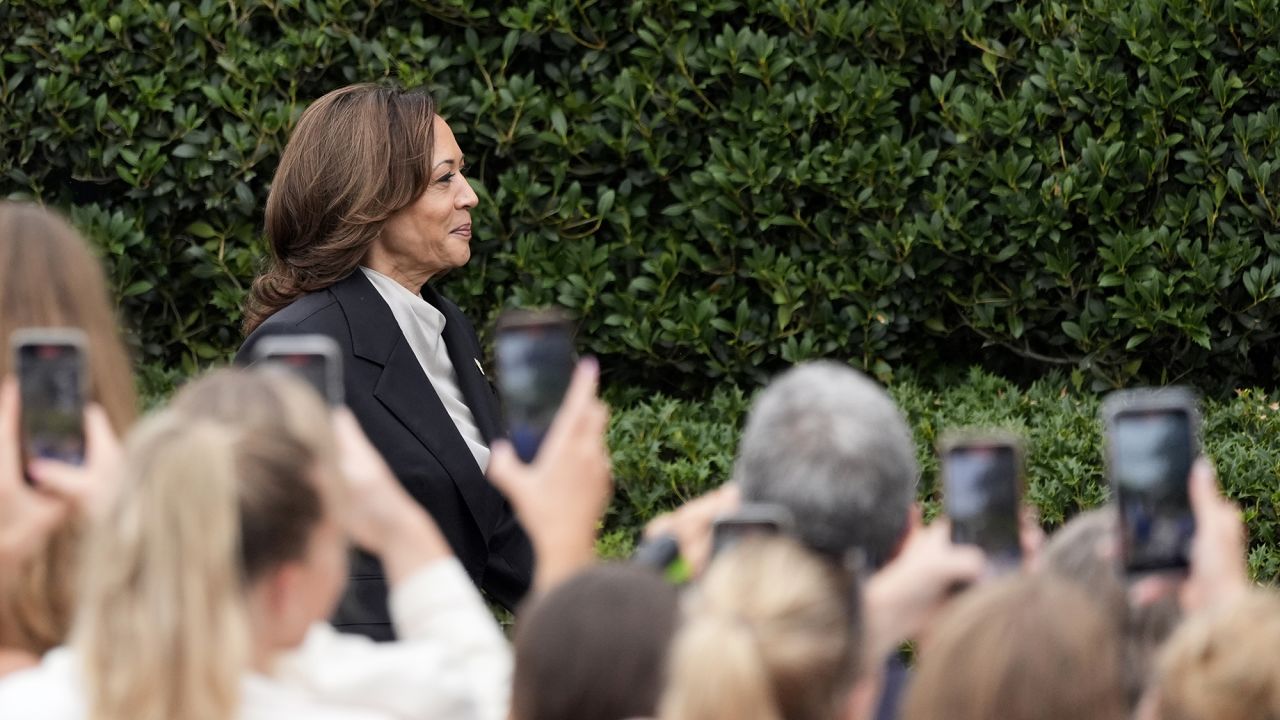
(830, 445)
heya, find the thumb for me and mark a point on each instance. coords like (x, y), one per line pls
(1204, 485)
(65, 481)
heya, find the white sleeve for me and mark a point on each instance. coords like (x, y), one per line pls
(451, 659)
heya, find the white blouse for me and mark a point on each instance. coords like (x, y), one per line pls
(423, 327)
(452, 661)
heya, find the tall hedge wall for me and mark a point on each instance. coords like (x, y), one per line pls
(717, 186)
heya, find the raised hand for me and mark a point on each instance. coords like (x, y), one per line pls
(561, 496)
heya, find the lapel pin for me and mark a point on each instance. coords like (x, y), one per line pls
(480, 368)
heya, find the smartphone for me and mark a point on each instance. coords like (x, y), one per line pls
(982, 479)
(1152, 438)
(314, 358)
(750, 520)
(52, 379)
(535, 359)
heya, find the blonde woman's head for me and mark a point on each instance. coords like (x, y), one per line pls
(1223, 665)
(771, 632)
(220, 549)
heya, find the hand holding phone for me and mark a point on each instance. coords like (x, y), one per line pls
(982, 477)
(536, 359)
(1152, 440)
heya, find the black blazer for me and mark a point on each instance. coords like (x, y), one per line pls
(401, 413)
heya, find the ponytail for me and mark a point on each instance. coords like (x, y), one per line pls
(718, 672)
(163, 629)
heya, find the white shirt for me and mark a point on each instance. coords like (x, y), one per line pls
(452, 662)
(423, 327)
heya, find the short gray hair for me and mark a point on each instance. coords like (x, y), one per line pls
(828, 443)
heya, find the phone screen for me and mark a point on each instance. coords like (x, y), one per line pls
(51, 377)
(535, 364)
(1151, 455)
(981, 495)
(311, 367)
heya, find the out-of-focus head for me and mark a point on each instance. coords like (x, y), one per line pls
(358, 156)
(1021, 648)
(263, 397)
(1086, 551)
(221, 539)
(595, 647)
(830, 445)
(50, 278)
(1221, 665)
(772, 631)
(263, 401)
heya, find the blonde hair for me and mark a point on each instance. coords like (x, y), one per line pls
(50, 278)
(261, 397)
(1022, 648)
(1223, 666)
(772, 632)
(206, 507)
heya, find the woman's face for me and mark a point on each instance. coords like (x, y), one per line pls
(433, 235)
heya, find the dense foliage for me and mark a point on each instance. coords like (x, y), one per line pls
(666, 450)
(720, 187)
(717, 186)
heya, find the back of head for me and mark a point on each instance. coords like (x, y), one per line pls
(595, 647)
(830, 445)
(260, 397)
(204, 509)
(49, 278)
(1022, 648)
(1086, 551)
(358, 155)
(771, 632)
(1223, 665)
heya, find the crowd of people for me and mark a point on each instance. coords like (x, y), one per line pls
(197, 565)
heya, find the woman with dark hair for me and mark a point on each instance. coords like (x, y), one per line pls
(594, 647)
(368, 205)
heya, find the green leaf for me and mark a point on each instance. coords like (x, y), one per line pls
(202, 229)
(137, 287)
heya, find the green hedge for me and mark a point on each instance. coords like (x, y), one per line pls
(667, 450)
(717, 186)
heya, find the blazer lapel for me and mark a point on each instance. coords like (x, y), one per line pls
(403, 388)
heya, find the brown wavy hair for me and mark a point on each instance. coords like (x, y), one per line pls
(358, 155)
(50, 278)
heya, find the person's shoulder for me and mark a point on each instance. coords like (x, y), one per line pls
(307, 310)
(269, 699)
(317, 312)
(48, 691)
